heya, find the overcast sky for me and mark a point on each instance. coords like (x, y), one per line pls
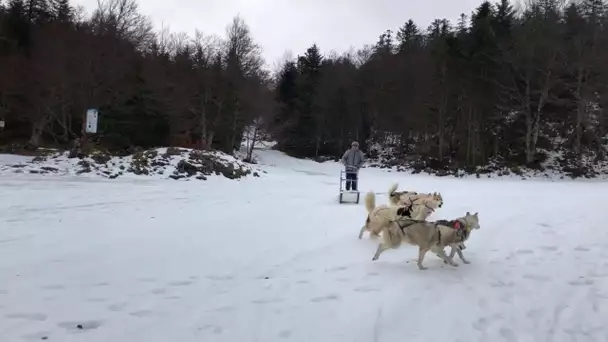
(280, 25)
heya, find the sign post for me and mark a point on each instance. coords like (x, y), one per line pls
(89, 125)
(91, 121)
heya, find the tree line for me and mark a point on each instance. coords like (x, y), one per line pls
(150, 88)
(501, 85)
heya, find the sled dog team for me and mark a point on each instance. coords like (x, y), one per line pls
(404, 221)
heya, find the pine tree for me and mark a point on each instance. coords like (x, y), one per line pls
(286, 115)
(306, 129)
(62, 11)
(409, 37)
(38, 11)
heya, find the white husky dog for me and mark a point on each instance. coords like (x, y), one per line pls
(423, 205)
(381, 216)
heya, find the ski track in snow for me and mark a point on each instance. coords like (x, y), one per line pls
(277, 259)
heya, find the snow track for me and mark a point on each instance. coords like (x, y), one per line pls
(277, 259)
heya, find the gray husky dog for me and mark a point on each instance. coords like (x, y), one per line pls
(429, 236)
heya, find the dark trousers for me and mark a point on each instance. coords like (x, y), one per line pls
(351, 181)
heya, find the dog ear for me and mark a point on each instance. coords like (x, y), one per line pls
(476, 213)
(468, 213)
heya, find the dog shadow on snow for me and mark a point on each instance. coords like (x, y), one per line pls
(402, 267)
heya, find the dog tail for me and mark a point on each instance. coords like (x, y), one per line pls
(370, 202)
(392, 189)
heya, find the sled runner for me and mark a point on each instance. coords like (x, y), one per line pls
(348, 196)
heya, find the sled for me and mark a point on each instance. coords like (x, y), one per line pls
(348, 196)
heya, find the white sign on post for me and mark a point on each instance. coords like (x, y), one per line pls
(2, 124)
(91, 124)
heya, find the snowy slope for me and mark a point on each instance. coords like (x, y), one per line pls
(160, 163)
(277, 259)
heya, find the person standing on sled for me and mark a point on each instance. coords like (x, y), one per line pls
(352, 160)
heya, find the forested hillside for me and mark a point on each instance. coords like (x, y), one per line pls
(502, 87)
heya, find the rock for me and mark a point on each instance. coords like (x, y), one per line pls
(49, 169)
(173, 151)
(138, 170)
(134, 150)
(159, 163)
(186, 167)
(151, 154)
(85, 165)
(73, 154)
(197, 155)
(101, 158)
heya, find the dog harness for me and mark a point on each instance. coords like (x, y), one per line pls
(462, 229)
(407, 224)
(413, 202)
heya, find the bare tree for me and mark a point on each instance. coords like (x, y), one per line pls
(122, 18)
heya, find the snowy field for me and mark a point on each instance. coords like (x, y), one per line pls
(277, 258)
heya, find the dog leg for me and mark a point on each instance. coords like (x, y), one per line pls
(451, 256)
(435, 249)
(381, 248)
(447, 259)
(453, 250)
(461, 256)
(361, 232)
(421, 254)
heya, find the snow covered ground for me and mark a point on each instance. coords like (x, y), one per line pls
(277, 259)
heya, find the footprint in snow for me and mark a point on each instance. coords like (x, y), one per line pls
(117, 306)
(28, 316)
(365, 289)
(141, 313)
(536, 277)
(37, 336)
(80, 325)
(327, 298)
(285, 333)
(338, 269)
(53, 287)
(181, 283)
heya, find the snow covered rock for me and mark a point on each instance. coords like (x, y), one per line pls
(175, 163)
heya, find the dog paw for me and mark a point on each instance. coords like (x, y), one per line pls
(422, 268)
(466, 261)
